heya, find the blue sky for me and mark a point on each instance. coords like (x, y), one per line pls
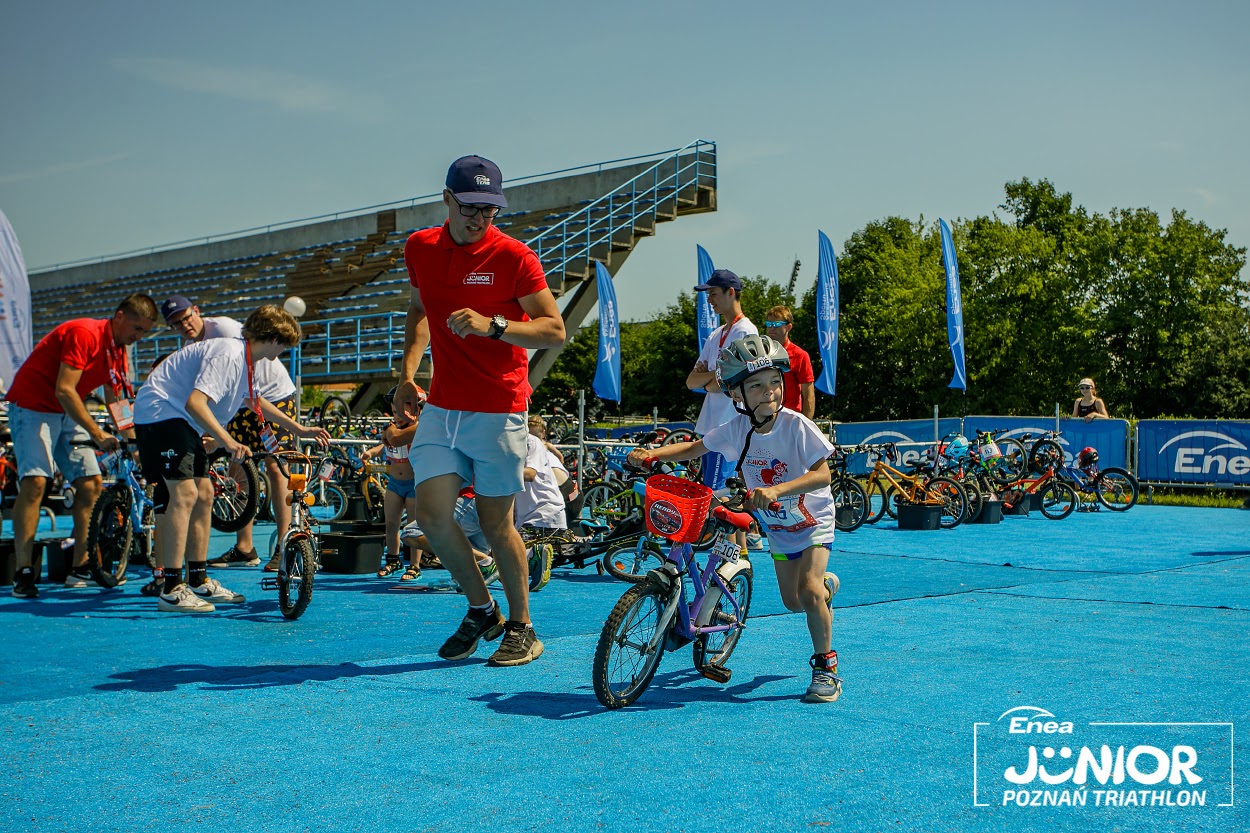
(130, 124)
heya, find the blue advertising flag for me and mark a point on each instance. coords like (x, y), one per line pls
(708, 319)
(827, 315)
(608, 371)
(954, 308)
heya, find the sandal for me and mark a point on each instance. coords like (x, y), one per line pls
(430, 561)
(389, 567)
(411, 574)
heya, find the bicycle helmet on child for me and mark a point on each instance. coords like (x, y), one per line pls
(422, 396)
(1088, 456)
(746, 356)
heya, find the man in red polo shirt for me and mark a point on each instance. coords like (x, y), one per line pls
(47, 414)
(479, 300)
(799, 379)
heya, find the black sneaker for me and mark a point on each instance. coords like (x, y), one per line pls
(24, 584)
(520, 645)
(234, 558)
(473, 627)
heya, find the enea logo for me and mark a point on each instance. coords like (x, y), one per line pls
(1196, 454)
(479, 279)
(1028, 757)
(665, 518)
(481, 180)
(906, 455)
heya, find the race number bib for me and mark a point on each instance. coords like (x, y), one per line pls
(268, 439)
(326, 472)
(123, 414)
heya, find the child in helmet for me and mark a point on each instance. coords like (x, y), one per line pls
(782, 457)
(401, 493)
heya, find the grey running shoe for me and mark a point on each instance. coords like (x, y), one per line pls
(473, 627)
(826, 685)
(520, 645)
(76, 580)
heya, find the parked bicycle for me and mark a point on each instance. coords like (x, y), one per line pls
(299, 547)
(1112, 487)
(122, 519)
(889, 487)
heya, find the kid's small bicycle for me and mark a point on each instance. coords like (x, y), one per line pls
(657, 615)
(300, 548)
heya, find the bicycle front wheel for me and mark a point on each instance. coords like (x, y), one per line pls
(1059, 500)
(1045, 454)
(295, 577)
(1116, 489)
(331, 503)
(715, 648)
(235, 488)
(109, 535)
(625, 660)
(1013, 463)
(876, 501)
(953, 498)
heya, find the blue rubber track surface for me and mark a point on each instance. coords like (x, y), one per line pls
(119, 718)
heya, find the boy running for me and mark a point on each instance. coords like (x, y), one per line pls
(782, 456)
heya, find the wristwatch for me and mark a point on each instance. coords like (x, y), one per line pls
(498, 326)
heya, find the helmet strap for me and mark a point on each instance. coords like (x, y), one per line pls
(750, 413)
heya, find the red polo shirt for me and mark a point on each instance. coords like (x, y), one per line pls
(800, 372)
(84, 344)
(474, 373)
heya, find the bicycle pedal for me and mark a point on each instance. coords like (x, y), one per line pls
(268, 584)
(716, 673)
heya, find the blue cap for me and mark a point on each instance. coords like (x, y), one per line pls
(173, 306)
(722, 278)
(476, 181)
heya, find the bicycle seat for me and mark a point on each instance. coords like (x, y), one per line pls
(592, 527)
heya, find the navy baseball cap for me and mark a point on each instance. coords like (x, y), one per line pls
(174, 305)
(722, 278)
(476, 181)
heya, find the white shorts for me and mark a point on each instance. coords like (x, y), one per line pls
(486, 450)
(41, 442)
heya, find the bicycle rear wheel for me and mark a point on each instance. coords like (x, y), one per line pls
(632, 563)
(336, 415)
(1013, 463)
(109, 535)
(235, 487)
(625, 662)
(976, 500)
(1045, 454)
(295, 577)
(1116, 489)
(715, 648)
(679, 435)
(953, 497)
(876, 501)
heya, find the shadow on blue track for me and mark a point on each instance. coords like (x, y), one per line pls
(667, 691)
(1217, 553)
(253, 677)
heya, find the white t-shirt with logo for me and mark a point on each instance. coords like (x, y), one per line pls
(216, 367)
(786, 452)
(718, 408)
(272, 380)
(540, 504)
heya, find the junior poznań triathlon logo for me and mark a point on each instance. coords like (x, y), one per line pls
(1029, 757)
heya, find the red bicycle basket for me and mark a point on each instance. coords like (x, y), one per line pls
(676, 508)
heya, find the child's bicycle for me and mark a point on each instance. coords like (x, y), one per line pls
(656, 615)
(300, 548)
(122, 519)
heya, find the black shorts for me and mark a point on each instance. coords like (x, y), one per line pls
(171, 450)
(245, 427)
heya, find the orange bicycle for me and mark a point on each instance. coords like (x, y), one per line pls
(888, 487)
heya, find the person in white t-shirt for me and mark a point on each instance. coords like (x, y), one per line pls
(190, 394)
(724, 294)
(782, 457)
(274, 385)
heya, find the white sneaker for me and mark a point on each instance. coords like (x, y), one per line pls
(182, 600)
(755, 541)
(76, 581)
(212, 591)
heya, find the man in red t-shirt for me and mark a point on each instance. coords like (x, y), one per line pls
(799, 379)
(479, 300)
(47, 414)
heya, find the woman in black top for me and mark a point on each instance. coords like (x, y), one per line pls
(1089, 406)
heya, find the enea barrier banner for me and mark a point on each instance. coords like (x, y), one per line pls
(1109, 436)
(899, 431)
(1194, 451)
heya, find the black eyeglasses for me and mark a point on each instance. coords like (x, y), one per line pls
(487, 211)
(1085, 387)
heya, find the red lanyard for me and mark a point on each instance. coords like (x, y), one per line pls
(121, 385)
(251, 379)
(725, 333)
